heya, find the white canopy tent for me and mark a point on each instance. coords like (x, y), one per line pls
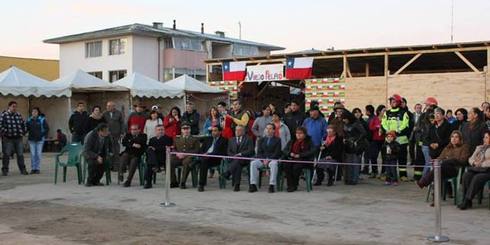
(148, 91)
(145, 87)
(17, 82)
(191, 85)
(80, 81)
(31, 91)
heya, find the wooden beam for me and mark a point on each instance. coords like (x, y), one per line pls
(431, 51)
(367, 69)
(408, 63)
(466, 61)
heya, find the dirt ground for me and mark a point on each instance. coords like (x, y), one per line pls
(35, 211)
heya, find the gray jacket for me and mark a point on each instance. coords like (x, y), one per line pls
(259, 125)
(115, 122)
(285, 135)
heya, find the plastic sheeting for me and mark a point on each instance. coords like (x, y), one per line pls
(17, 82)
(145, 87)
(189, 84)
(80, 81)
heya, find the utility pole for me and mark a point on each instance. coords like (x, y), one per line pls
(239, 30)
(452, 21)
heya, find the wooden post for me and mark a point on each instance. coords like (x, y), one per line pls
(387, 73)
(207, 73)
(367, 69)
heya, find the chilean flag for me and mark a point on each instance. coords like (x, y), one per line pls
(234, 71)
(299, 68)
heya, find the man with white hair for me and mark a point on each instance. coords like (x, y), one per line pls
(115, 123)
(238, 146)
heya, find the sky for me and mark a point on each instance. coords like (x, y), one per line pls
(296, 25)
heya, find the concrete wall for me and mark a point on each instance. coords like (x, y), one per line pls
(145, 56)
(184, 59)
(72, 57)
(46, 69)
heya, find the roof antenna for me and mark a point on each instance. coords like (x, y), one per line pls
(452, 21)
(239, 30)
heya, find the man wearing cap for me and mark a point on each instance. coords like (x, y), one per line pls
(316, 126)
(397, 119)
(185, 143)
(191, 117)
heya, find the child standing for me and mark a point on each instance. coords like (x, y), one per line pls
(389, 152)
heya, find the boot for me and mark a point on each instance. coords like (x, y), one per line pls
(465, 204)
(423, 182)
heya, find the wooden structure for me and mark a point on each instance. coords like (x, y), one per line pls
(456, 74)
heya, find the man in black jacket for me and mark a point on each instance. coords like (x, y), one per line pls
(294, 118)
(191, 117)
(238, 146)
(78, 123)
(156, 154)
(95, 151)
(135, 143)
(213, 145)
(269, 147)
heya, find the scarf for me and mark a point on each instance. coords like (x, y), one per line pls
(298, 145)
(329, 140)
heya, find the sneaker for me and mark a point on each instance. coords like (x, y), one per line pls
(147, 186)
(382, 177)
(24, 172)
(271, 189)
(127, 184)
(395, 183)
(404, 179)
(387, 183)
(5, 173)
(200, 188)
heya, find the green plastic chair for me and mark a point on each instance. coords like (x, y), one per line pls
(141, 169)
(224, 166)
(480, 196)
(307, 173)
(107, 170)
(74, 152)
(455, 182)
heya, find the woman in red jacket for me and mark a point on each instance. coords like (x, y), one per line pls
(376, 140)
(171, 122)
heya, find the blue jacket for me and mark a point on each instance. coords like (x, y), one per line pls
(317, 129)
(37, 128)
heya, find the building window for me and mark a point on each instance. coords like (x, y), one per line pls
(185, 43)
(116, 75)
(93, 49)
(97, 74)
(245, 50)
(117, 46)
(168, 43)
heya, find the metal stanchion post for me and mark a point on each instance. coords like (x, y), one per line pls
(438, 237)
(167, 202)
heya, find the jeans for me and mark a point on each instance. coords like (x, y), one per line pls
(391, 174)
(11, 146)
(36, 148)
(374, 149)
(402, 160)
(351, 172)
(255, 174)
(425, 151)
